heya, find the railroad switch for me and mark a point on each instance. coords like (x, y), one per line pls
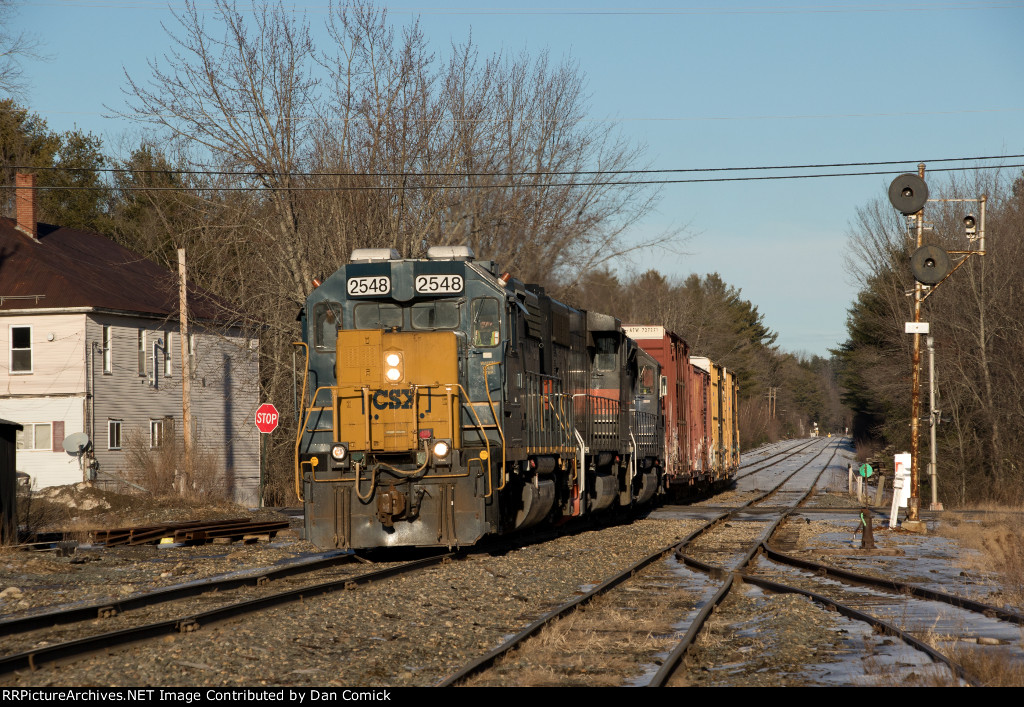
(867, 538)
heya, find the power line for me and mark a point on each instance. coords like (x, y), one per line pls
(232, 173)
(512, 185)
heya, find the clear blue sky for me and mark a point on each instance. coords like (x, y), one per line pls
(703, 84)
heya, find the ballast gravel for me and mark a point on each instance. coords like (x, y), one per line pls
(411, 630)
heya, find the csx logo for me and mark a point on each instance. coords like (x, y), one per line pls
(394, 399)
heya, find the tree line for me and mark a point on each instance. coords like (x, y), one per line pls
(781, 394)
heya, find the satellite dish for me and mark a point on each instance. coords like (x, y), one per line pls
(76, 443)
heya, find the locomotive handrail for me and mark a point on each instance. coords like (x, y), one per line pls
(302, 427)
(494, 416)
(487, 444)
(562, 397)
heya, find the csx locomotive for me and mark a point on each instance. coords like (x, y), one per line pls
(445, 400)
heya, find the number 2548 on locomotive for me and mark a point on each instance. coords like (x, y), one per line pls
(444, 401)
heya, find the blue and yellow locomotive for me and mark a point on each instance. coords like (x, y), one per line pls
(444, 401)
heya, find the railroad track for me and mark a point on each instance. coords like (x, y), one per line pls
(721, 561)
(45, 632)
(373, 626)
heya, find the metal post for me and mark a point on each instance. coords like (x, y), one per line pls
(934, 419)
(915, 407)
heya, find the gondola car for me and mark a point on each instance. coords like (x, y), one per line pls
(444, 401)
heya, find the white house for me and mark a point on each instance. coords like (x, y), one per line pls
(90, 334)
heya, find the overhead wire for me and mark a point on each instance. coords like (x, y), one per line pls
(526, 184)
(533, 173)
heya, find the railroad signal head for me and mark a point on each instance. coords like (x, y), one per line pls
(930, 264)
(970, 225)
(908, 193)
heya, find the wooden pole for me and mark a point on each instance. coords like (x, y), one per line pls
(186, 373)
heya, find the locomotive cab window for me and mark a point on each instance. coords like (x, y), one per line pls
(326, 322)
(606, 357)
(484, 315)
(646, 380)
(442, 314)
(377, 315)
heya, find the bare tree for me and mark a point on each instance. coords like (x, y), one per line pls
(372, 140)
(14, 48)
(242, 101)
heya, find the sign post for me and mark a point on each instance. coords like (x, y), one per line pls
(267, 419)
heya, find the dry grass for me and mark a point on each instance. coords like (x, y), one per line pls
(998, 539)
(993, 666)
(602, 645)
(162, 470)
(867, 449)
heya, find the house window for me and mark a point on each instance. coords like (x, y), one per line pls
(167, 354)
(21, 349)
(156, 433)
(35, 435)
(108, 355)
(142, 352)
(114, 434)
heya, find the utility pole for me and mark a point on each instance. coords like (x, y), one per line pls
(773, 399)
(186, 371)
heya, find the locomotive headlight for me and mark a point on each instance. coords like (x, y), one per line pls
(393, 366)
(442, 451)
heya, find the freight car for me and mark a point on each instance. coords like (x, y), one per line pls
(444, 400)
(700, 407)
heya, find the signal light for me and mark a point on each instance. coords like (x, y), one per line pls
(970, 225)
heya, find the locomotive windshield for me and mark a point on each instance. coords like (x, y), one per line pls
(442, 314)
(377, 315)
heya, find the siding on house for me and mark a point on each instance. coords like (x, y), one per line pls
(223, 395)
(58, 354)
(49, 465)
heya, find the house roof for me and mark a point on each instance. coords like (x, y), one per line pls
(73, 268)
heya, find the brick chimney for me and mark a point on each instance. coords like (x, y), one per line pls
(25, 203)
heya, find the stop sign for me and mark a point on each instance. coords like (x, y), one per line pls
(267, 418)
